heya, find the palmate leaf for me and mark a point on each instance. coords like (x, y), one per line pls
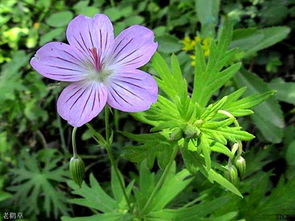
(155, 146)
(207, 128)
(93, 196)
(34, 184)
(209, 74)
(173, 185)
(114, 208)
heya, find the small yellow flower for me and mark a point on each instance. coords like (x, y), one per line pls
(198, 39)
(206, 46)
(188, 44)
(193, 62)
(206, 41)
(36, 25)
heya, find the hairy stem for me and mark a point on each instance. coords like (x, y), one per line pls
(74, 141)
(111, 157)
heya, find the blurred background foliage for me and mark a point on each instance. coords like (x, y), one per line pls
(34, 141)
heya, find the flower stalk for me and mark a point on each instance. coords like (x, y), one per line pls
(74, 142)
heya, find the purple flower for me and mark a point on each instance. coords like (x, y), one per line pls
(102, 69)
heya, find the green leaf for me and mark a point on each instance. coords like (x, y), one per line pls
(4, 196)
(82, 7)
(220, 148)
(204, 146)
(133, 20)
(212, 109)
(210, 76)
(268, 115)
(173, 185)
(116, 188)
(198, 211)
(207, 12)
(113, 13)
(59, 19)
(233, 134)
(285, 90)
(155, 146)
(241, 107)
(34, 183)
(49, 36)
(168, 44)
(193, 161)
(223, 182)
(251, 40)
(97, 136)
(290, 154)
(93, 196)
(114, 216)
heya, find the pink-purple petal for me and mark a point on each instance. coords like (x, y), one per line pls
(80, 102)
(132, 91)
(133, 47)
(86, 33)
(59, 61)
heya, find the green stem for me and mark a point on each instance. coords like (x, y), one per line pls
(42, 138)
(61, 134)
(112, 3)
(194, 201)
(74, 142)
(162, 179)
(111, 157)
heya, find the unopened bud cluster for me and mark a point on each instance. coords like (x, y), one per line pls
(237, 166)
(189, 131)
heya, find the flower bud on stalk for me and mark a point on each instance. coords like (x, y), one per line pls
(176, 134)
(77, 169)
(191, 132)
(240, 163)
(232, 174)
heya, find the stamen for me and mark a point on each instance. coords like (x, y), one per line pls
(96, 59)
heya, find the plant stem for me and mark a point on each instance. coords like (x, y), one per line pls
(61, 133)
(111, 157)
(42, 138)
(112, 3)
(162, 179)
(74, 142)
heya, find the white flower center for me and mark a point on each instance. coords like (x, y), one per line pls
(99, 76)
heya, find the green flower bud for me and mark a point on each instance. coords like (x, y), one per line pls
(234, 148)
(176, 134)
(77, 169)
(240, 163)
(191, 132)
(232, 174)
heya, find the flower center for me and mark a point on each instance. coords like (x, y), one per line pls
(96, 59)
(98, 71)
